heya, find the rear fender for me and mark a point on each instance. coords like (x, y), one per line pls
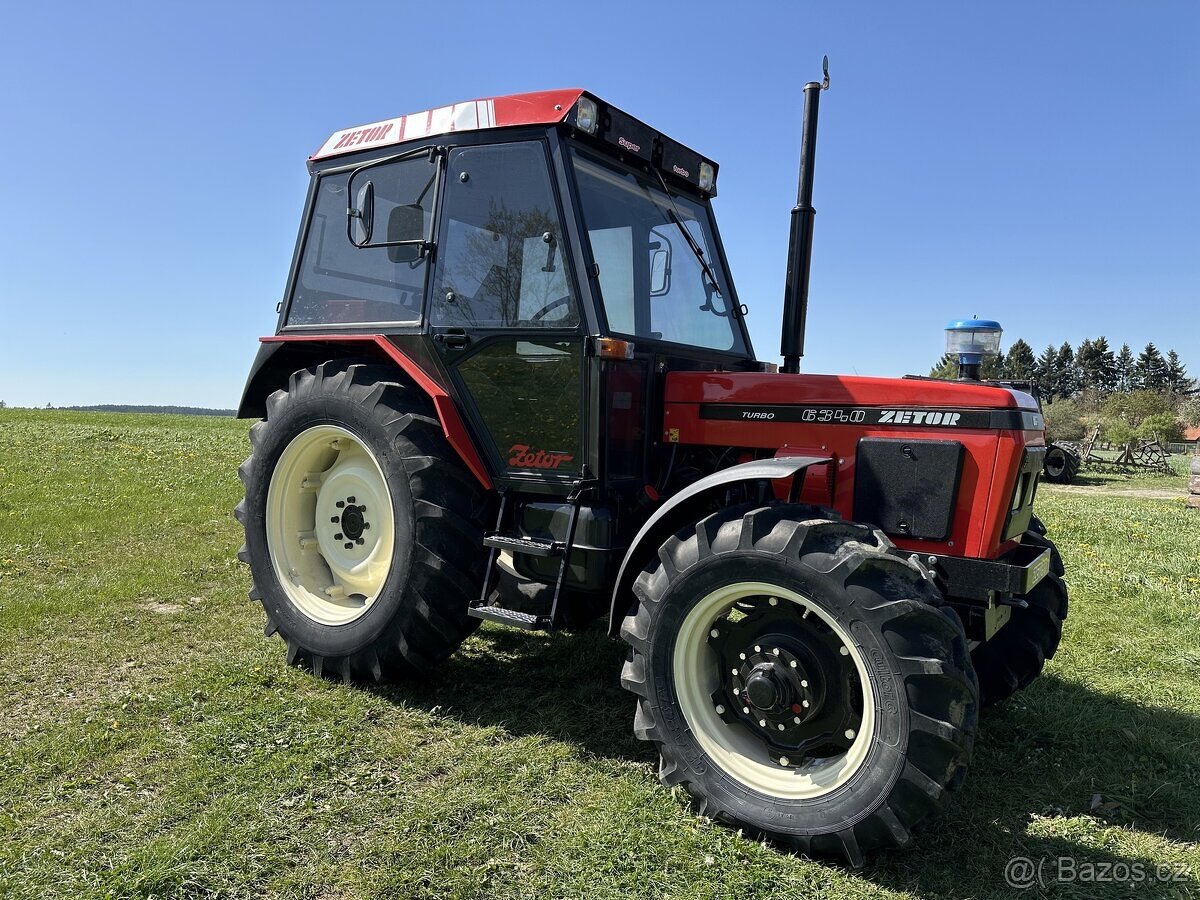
(670, 517)
(281, 355)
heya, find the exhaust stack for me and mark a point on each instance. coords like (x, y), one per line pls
(799, 265)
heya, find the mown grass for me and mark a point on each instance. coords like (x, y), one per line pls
(152, 743)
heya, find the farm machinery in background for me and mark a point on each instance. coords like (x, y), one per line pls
(1065, 459)
(512, 382)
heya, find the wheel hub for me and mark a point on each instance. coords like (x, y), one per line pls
(352, 521)
(330, 524)
(787, 680)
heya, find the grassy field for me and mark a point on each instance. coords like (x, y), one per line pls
(153, 743)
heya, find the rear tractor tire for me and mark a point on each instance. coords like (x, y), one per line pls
(363, 531)
(1060, 465)
(1017, 653)
(799, 681)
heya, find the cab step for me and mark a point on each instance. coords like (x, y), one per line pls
(512, 617)
(528, 546)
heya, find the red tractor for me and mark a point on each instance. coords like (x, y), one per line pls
(512, 381)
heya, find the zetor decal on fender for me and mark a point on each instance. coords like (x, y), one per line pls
(522, 457)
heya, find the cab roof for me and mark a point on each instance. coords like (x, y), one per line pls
(611, 127)
(537, 108)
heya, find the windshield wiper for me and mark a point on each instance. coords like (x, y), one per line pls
(677, 219)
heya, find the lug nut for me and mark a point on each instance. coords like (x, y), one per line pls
(366, 525)
(340, 504)
(844, 650)
(720, 710)
(714, 633)
(776, 651)
(774, 601)
(803, 683)
(796, 719)
(735, 671)
(757, 649)
(762, 723)
(804, 703)
(349, 546)
(781, 726)
(746, 710)
(850, 733)
(792, 664)
(339, 537)
(741, 656)
(783, 761)
(350, 500)
(737, 691)
(359, 541)
(335, 519)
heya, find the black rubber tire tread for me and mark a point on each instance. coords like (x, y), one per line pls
(1018, 652)
(1069, 465)
(924, 639)
(445, 508)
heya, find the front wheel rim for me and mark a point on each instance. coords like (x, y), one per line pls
(727, 736)
(330, 525)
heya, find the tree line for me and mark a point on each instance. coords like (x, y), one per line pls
(1147, 396)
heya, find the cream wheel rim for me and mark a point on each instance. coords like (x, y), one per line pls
(733, 747)
(330, 525)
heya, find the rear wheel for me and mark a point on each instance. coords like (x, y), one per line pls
(1060, 465)
(799, 681)
(1017, 653)
(363, 532)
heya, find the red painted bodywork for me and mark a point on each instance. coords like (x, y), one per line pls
(452, 424)
(991, 460)
(535, 108)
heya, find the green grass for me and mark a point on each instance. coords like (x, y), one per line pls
(153, 743)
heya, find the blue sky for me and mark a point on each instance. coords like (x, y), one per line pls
(1030, 162)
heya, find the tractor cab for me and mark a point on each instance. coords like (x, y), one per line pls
(512, 247)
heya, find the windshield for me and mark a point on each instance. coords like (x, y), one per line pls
(652, 283)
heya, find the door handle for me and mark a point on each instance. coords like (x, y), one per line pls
(453, 338)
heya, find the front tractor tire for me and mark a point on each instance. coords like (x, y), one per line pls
(362, 529)
(1017, 653)
(799, 681)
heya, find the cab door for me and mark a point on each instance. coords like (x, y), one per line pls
(504, 311)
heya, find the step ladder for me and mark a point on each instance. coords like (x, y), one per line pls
(500, 540)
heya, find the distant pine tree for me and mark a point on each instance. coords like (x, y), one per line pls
(1177, 380)
(1068, 377)
(1151, 370)
(1047, 373)
(1125, 371)
(1020, 364)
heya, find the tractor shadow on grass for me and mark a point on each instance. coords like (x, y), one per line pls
(1046, 753)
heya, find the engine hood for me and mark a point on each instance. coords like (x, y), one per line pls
(773, 389)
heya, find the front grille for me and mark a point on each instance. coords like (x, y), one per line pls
(1020, 507)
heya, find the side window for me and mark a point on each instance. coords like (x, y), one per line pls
(501, 254)
(340, 283)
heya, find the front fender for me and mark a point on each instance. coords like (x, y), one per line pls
(755, 470)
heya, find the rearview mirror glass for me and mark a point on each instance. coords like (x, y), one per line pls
(361, 215)
(405, 233)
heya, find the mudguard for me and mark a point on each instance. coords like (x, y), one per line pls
(755, 470)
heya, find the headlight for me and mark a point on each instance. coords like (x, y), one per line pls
(707, 176)
(585, 115)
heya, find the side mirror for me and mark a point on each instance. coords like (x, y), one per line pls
(361, 217)
(660, 273)
(406, 233)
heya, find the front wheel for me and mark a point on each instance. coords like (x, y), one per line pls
(799, 681)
